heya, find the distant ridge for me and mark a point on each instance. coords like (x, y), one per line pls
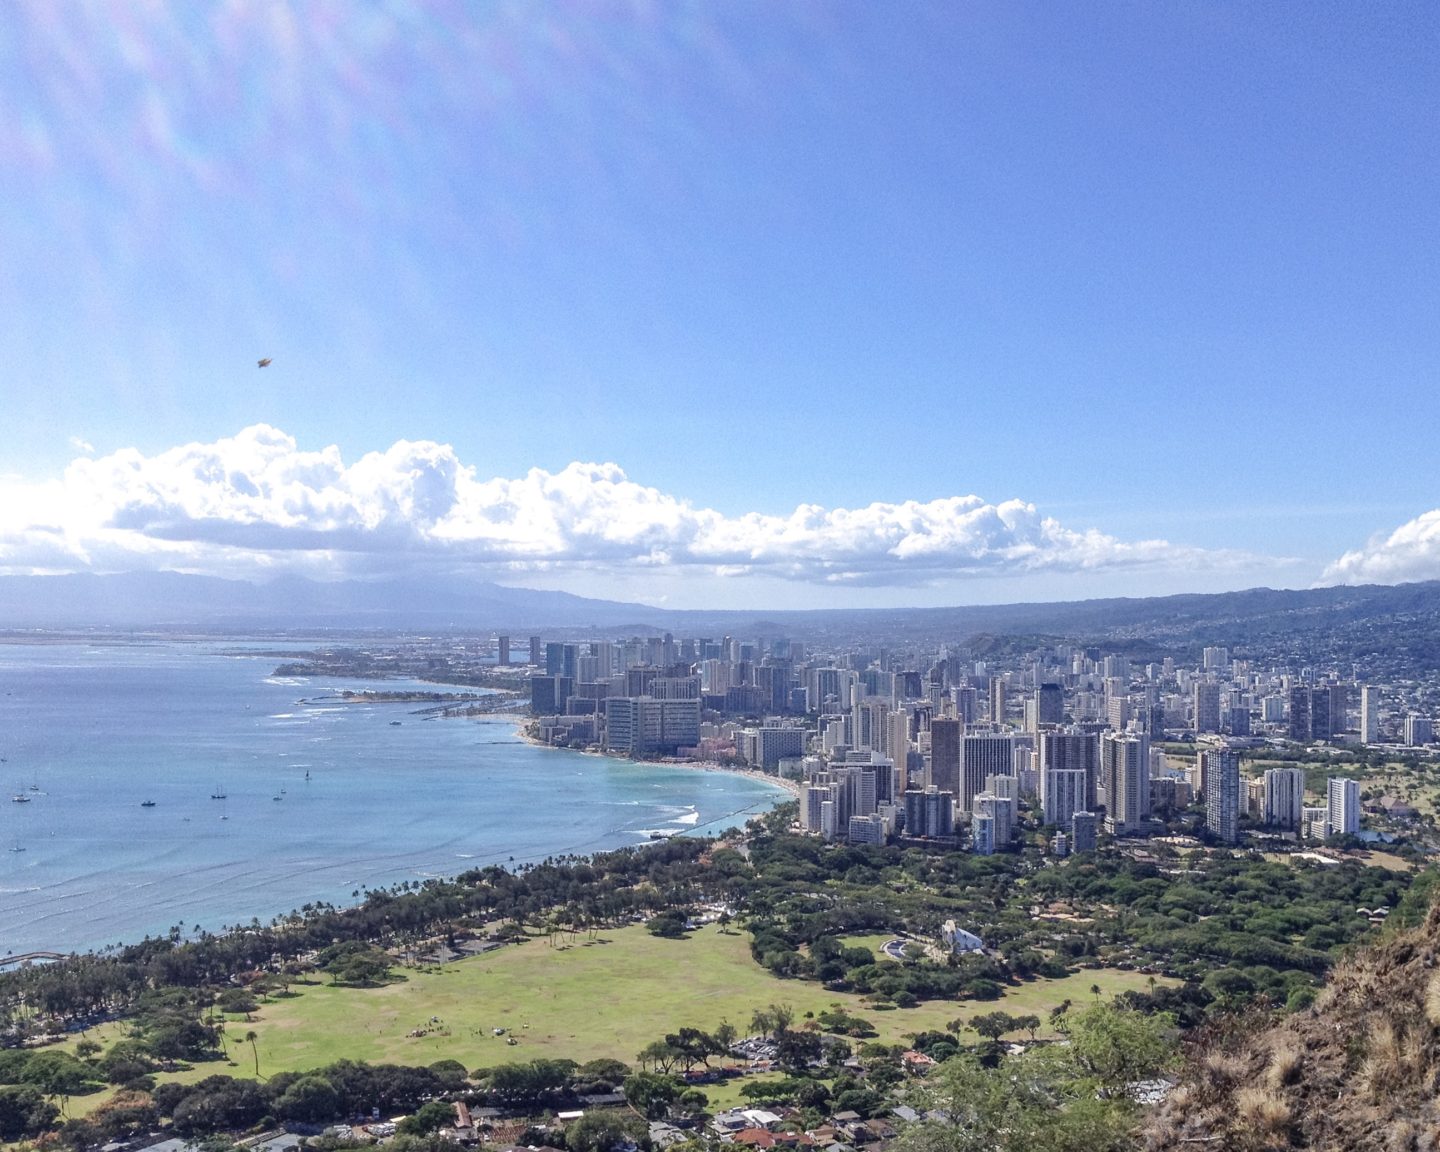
(176, 601)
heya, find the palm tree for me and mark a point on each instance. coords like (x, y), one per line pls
(250, 1038)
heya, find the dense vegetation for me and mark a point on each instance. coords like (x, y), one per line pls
(1231, 930)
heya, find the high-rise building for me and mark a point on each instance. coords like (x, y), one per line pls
(549, 693)
(1207, 706)
(1284, 797)
(1216, 659)
(1049, 704)
(944, 769)
(897, 744)
(1309, 716)
(1338, 708)
(1083, 832)
(644, 726)
(1369, 714)
(982, 754)
(1343, 804)
(930, 813)
(1418, 730)
(1297, 717)
(1071, 749)
(1222, 793)
(999, 809)
(766, 746)
(997, 700)
(982, 835)
(1062, 794)
(1125, 774)
(502, 649)
(537, 652)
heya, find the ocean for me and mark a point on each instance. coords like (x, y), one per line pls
(322, 800)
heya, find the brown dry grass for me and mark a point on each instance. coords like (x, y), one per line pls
(1432, 999)
(1358, 1072)
(1286, 1061)
(1265, 1112)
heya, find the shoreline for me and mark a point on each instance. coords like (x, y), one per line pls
(790, 787)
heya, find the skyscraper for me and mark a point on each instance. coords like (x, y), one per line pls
(944, 771)
(1072, 749)
(1062, 794)
(1222, 793)
(1050, 704)
(1284, 796)
(981, 755)
(1207, 706)
(1343, 802)
(997, 700)
(1369, 714)
(1418, 730)
(1125, 772)
(1001, 812)
(1298, 717)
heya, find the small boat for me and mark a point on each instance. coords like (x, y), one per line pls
(218, 794)
(147, 804)
(20, 798)
(394, 723)
(277, 797)
(18, 848)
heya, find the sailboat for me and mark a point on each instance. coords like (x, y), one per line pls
(219, 793)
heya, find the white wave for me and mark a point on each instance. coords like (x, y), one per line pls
(688, 818)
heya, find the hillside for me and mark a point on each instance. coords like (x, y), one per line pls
(1358, 1071)
(1393, 631)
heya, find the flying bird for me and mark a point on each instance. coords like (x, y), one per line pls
(265, 363)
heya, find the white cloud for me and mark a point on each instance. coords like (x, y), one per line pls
(79, 445)
(256, 502)
(1411, 552)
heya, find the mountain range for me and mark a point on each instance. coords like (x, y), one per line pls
(176, 601)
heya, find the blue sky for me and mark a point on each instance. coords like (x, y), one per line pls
(1166, 273)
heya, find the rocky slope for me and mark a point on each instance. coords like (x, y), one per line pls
(1359, 1071)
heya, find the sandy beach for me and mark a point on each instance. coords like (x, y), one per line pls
(790, 786)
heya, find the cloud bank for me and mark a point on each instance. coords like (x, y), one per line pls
(1411, 552)
(256, 502)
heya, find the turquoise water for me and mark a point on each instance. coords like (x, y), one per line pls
(88, 732)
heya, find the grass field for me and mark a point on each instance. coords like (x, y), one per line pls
(610, 997)
(606, 998)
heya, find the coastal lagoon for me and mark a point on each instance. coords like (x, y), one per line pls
(321, 799)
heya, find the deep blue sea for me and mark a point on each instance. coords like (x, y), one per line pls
(89, 732)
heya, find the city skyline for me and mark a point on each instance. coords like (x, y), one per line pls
(717, 307)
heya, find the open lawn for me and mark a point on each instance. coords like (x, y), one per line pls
(610, 997)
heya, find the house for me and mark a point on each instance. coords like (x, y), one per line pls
(739, 1119)
(663, 1135)
(916, 1062)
